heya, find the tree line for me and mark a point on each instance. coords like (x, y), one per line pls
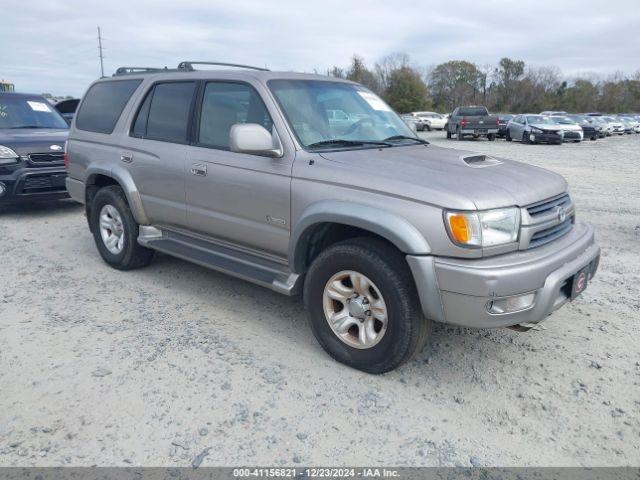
(509, 86)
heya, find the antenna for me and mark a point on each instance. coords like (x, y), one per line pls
(100, 52)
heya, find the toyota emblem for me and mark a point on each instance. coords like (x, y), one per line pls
(55, 148)
(562, 214)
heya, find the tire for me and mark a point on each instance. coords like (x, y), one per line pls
(459, 134)
(491, 137)
(507, 136)
(109, 204)
(448, 134)
(525, 137)
(406, 330)
(428, 128)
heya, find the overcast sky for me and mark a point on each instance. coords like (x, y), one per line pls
(51, 45)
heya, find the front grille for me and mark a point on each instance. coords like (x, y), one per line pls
(546, 206)
(43, 183)
(550, 234)
(46, 157)
(571, 134)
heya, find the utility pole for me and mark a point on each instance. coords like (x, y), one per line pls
(101, 56)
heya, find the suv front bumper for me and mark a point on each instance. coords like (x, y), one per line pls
(460, 291)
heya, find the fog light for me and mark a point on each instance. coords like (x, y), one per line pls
(3, 189)
(513, 304)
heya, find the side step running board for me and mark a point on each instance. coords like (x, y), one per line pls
(223, 259)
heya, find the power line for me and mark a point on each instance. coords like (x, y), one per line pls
(100, 52)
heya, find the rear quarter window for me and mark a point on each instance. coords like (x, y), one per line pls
(103, 105)
(165, 113)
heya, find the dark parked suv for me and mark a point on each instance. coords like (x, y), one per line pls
(32, 136)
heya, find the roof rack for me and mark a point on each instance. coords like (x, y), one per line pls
(133, 70)
(189, 65)
(182, 67)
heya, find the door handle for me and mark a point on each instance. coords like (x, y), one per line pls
(126, 157)
(199, 170)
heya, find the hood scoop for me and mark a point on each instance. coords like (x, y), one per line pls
(480, 161)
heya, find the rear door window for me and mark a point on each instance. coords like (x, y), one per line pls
(103, 105)
(165, 113)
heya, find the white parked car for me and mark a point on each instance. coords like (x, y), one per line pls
(432, 120)
(632, 122)
(616, 125)
(607, 128)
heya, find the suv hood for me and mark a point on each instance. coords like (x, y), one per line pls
(36, 140)
(440, 176)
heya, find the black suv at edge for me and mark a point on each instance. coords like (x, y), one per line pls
(32, 136)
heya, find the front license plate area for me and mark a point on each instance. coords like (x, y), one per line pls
(580, 281)
(58, 180)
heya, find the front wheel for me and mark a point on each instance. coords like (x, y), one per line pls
(507, 136)
(363, 305)
(115, 231)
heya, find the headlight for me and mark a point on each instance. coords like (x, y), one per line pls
(8, 156)
(536, 129)
(483, 229)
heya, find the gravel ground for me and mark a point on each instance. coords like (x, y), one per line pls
(174, 363)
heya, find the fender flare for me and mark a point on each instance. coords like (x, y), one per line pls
(388, 225)
(123, 178)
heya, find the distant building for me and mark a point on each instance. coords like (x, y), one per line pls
(6, 86)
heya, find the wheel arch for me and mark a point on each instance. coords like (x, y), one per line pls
(329, 221)
(98, 177)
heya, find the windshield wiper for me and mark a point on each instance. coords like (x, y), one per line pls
(341, 142)
(405, 137)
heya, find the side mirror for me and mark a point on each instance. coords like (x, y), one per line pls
(254, 139)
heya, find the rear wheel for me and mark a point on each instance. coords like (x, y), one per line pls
(363, 305)
(115, 231)
(508, 136)
(491, 137)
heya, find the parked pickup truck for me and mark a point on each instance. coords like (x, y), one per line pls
(382, 233)
(472, 121)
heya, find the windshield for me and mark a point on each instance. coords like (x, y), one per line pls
(539, 119)
(579, 118)
(28, 112)
(364, 119)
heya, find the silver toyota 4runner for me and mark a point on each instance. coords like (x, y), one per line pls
(304, 183)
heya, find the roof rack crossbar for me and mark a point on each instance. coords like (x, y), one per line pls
(130, 70)
(189, 65)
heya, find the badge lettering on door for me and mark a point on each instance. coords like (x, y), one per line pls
(276, 220)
